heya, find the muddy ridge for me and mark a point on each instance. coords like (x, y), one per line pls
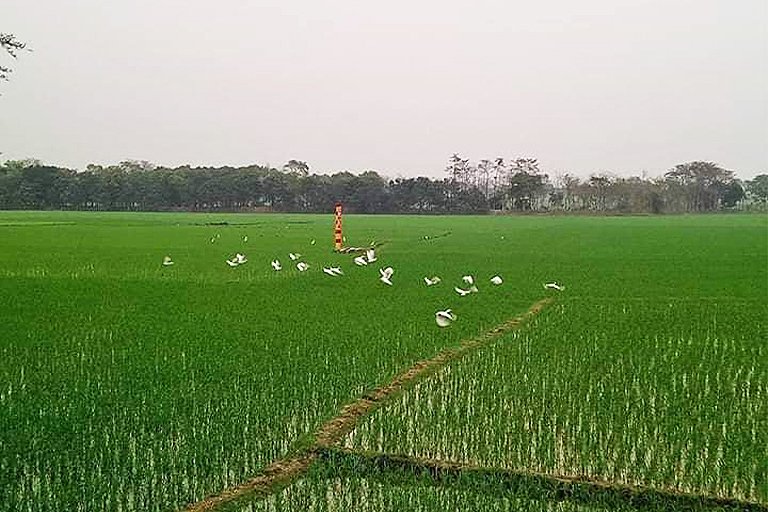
(283, 471)
(534, 485)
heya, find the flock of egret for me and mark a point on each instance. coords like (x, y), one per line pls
(442, 318)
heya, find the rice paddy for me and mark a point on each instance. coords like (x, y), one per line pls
(127, 383)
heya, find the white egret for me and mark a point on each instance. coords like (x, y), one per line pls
(276, 265)
(232, 263)
(302, 266)
(469, 280)
(333, 271)
(430, 282)
(461, 291)
(240, 258)
(385, 280)
(554, 286)
(386, 272)
(370, 254)
(245, 239)
(496, 280)
(167, 261)
(312, 242)
(294, 256)
(444, 318)
(360, 261)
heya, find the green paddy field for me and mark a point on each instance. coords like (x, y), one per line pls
(127, 385)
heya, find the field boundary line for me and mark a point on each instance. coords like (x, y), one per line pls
(526, 483)
(283, 471)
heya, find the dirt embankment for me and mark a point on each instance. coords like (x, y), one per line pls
(283, 471)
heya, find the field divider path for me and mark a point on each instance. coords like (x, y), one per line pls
(283, 471)
(530, 484)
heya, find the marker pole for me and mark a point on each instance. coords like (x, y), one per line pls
(337, 237)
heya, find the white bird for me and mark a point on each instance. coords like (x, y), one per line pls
(333, 271)
(240, 258)
(302, 266)
(469, 279)
(496, 280)
(232, 263)
(167, 262)
(430, 282)
(371, 255)
(386, 272)
(554, 286)
(293, 256)
(312, 242)
(245, 238)
(360, 261)
(444, 318)
(213, 239)
(276, 265)
(461, 291)
(385, 280)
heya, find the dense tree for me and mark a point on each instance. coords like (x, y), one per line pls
(700, 185)
(757, 189)
(520, 187)
(296, 167)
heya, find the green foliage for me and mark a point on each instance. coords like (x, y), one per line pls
(518, 186)
(128, 385)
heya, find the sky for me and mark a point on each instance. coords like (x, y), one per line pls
(629, 87)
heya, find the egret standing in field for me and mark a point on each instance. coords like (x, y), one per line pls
(433, 281)
(301, 266)
(554, 286)
(360, 261)
(386, 275)
(276, 265)
(496, 280)
(471, 282)
(445, 318)
(167, 261)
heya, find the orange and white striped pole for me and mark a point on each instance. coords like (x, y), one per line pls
(337, 236)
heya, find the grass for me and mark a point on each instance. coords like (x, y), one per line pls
(125, 385)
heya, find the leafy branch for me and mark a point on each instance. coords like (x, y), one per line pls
(10, 44)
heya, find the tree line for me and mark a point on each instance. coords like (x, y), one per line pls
(490, 185)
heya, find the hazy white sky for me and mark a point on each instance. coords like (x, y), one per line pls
(596, 85)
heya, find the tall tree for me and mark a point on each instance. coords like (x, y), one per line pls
(702, 185)
(484, 170)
